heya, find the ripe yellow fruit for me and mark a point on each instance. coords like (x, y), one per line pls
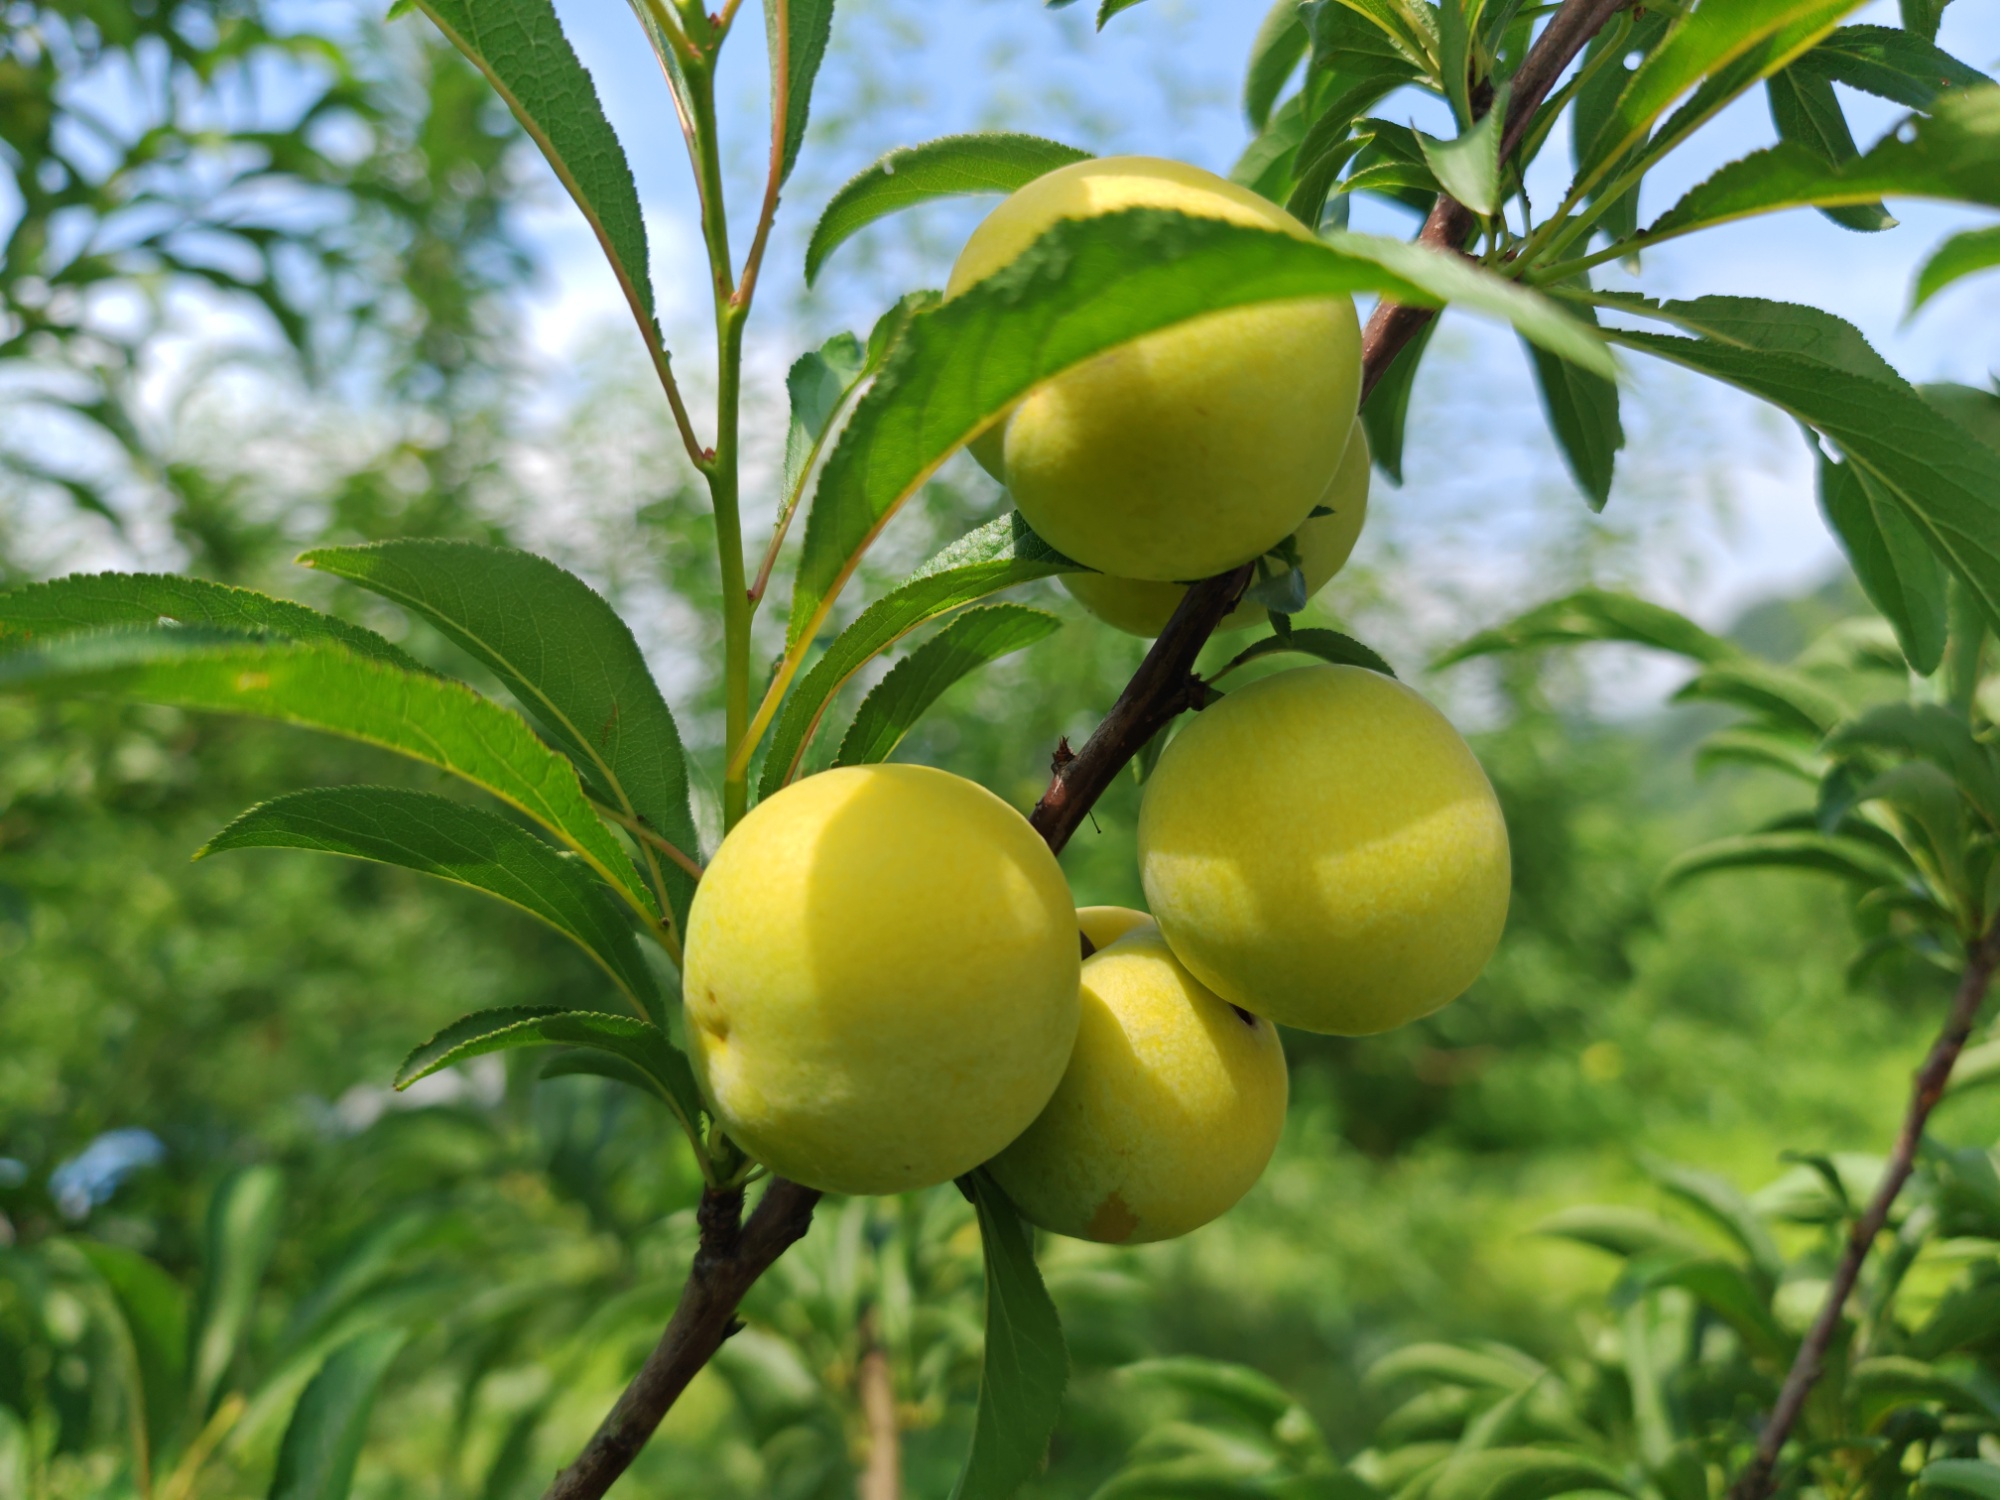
(880, 978)
(1172, 1105)
(1322, 848)
(1189, 450)
(1325, 543)
(1105, 925)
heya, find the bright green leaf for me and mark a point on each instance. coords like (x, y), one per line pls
(1932, 733)
(988, 162)
(968, 643)
(1960, 256)
(1274, 53)
(1893, 62)
(568, 660)
(1468, 168)
(797, 33)
(467, 845)
(1596, 615)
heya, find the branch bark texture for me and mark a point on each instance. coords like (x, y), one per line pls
(1755, 1482)
(734, 1254)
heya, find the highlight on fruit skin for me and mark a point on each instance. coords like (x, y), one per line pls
(1322, 848)
(1190, 450)
(1168, 1113)
(1143, 607)
(880, 978)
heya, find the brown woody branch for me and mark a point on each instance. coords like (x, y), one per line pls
(733, 1253)
(731, 1258)
(1755, 1482)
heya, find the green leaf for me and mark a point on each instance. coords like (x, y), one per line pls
(1496, 1368)
(1960, 256)
(1892, 62)
(1596, 615)
(797, 33)
(1808, 114)
(1717, 1199)
(639, 1043)
(1111, 8)
(1942, 476)
(1627, 1232)
(1976, 411)
(568, 660)
(1966, 1315)
(1880, 1385)
(1468, 168)
(1953, 155)
(996, 556)
(1742, 40)
(1385, 413)
(1249, 1392)
(1522, 1474)
(467, 845)
(1895, 565)
(1084, 287)
(519, 45)
(1327, 645)
(326, 687)
(1026, 1364)
(1582, 408)
(151, 1332)
(1773, 749)
(817, 383)
(1929, 732)
(87, 601)
(987, 162)
(1786, 699)
(328, 1427)
(1960, 1476)
(1411, 29)
(1724, 1287)
(917, 681)
(1830, 854)
(1774, 327)
(242, 1232)
(1274, 53)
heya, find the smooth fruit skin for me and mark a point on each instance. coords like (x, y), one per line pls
(1322, 848)
(1171, 1107)
(1105, 925)
(1190, 450)
(1142, 607)
(880, 978)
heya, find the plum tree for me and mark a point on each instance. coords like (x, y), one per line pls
(1170, 1108)
(1324, 543)
(881, 978)
(1322, 848)
(1190, 450)
(1105, 925)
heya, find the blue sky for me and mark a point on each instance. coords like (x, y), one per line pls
(1714, 505)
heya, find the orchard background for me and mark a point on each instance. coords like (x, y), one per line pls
(1426, 1294)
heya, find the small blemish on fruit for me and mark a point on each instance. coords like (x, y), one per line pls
(1113, 1222)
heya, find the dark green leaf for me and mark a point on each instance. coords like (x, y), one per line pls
(1250, 1392)
(566, 657)
(587, 1062)
(1976, 411)
(242, 1232)
(1596, 615)
(468, 845)
(1274, 53)
(1893, 62)
(328, 1427)
(1966, 1315)
(1929, 732)
(152, 1335)
(1807, 113)
(1830, 854)
(998, 555)
(988, 162)
(1087, 286)
(1026, 1364)
(917, 681)
(1774, 327)
(326, 687)
(1960, 1476)
(1895, 565)
(1953, 155)
(1582, 408)
(1385, 414)
(1922, 17)
(639, 1043)
(797, 33)
(87, 601)
(1960, 256)
(1880, 1385)
(1327, 645)
(519, 45)
(1111, 8)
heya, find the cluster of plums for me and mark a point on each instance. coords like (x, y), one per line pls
(887, 983)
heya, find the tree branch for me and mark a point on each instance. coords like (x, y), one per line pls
(1928, 1087)
(1165, 683)
(732, 1255)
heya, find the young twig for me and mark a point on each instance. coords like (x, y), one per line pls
(1755, 1482)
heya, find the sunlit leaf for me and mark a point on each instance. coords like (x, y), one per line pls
(1275, 51)
(1966, 252)
(969, 642)
(797, 33)
(1596, 615)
